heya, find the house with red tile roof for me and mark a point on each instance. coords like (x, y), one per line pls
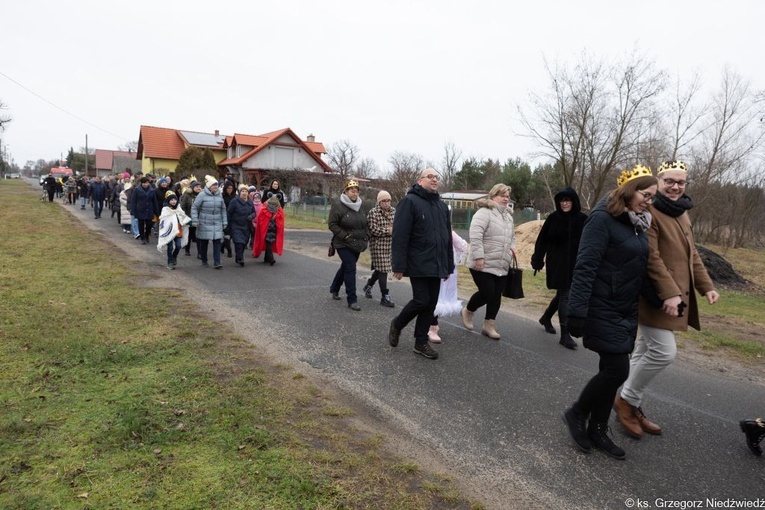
(159, 149)
(111, 162)
(252, 157)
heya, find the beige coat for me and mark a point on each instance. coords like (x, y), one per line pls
(492, 235)
(675, 269)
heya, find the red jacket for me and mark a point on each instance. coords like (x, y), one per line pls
(259, 244)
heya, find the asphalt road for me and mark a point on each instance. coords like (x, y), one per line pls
(492, 410)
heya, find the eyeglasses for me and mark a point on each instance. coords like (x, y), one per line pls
(432, 177)
(672, 182)
(647, 197)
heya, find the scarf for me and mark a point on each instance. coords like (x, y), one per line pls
(672, 208)
(355, 206)
(641, 220)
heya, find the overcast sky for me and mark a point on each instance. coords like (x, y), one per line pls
(401, 75)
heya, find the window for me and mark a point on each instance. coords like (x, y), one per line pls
(284, 157)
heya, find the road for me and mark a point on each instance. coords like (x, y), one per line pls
(489, 411)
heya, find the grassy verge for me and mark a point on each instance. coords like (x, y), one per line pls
(117, 395)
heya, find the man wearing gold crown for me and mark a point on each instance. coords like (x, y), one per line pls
(609, 275)
(675, 269)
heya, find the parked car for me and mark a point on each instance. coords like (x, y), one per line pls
(13, 176)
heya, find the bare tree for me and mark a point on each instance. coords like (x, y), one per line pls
(4, 119)
(342, 156)
(367, 169)
(129, 147)
(450, 165)
(591, 119)
(406, 169)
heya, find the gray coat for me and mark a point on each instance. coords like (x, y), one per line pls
(208, 215)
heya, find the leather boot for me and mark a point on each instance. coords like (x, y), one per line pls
(566, 340)
(467, 318)
(625, 415)
(755, 432)
(433, 335)
(598, 434)
(646, 424)
(368, 291)
(386, 300)
(488, 329)
(577, 427)
(546, 321)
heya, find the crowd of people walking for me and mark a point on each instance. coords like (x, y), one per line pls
(625, 276)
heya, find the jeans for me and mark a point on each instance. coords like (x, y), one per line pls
(134, 227)
(98, 207)
(173, 248)
(489, 293)
(203, 243)
(346, 274)
(83, 201)
(655, 349)
(598, 395)
(424, 300)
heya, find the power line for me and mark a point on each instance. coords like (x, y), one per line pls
(62, 109)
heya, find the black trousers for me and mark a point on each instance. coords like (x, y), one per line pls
(378, 276)
(598, 395)
(424, 300)
(489, 293)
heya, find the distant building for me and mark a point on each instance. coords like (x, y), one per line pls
(160, 149)
(111, 162)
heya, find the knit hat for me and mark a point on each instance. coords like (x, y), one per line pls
(241, 187)
(161, 181)
(171, 194)
(209, 181)
(383, 195)
(252, 188)
(194, 184)
(272, 204)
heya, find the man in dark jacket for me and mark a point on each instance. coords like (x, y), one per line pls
(422, 250)
(98, 195)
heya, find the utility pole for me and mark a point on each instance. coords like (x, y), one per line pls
(86, 155)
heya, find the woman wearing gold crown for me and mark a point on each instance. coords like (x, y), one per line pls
(676, 270)
(609, 275)
(348, 223)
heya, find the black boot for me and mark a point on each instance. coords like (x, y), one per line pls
(598, 434)
(755, 432)
(546, 321)
(566, 340)
(386, 301)
(577, 427)
(368, 291)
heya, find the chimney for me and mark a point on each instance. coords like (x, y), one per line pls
(310, 138)
(217, 133)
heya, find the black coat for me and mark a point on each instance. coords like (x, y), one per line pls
(98, 191)
(143, 203)
(240, 214)
(558, 241)
(609, 275)
(349, 227)
(422, 236)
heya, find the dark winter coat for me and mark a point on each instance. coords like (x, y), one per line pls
(609, 275)
(558, 241)
(349, 227)
(161, 191)
(187, 199)
(268, 193)
(240, 216)
(97, 191)
(422, 236)
(143, 203)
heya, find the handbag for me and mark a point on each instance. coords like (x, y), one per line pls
(331, 250)
(514, 282)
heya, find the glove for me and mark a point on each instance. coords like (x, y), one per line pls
(575, 326)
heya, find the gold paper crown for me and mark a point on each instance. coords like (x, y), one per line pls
(352, 184)
(637, 171)
(672, 165)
